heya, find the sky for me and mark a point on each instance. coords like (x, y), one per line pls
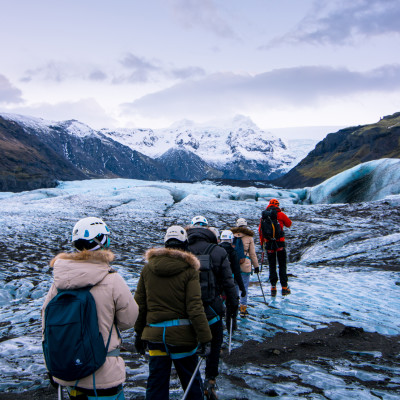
(125, 63)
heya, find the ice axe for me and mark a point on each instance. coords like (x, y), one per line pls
(192, 378)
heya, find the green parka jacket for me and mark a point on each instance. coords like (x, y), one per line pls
(169, 289)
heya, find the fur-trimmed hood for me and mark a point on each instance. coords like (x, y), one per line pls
(243, 230)
(97, 256)
(167, 261)
(76, 270)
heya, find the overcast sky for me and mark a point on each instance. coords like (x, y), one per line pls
(126, 63)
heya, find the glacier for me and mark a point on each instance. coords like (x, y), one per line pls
(333, 246)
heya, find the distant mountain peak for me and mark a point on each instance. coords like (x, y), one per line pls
(183, 124)
(240, 121)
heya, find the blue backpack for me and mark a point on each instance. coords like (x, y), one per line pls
(73, 346)
(238, 245)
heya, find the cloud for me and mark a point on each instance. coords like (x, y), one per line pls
(85, 110)
(205, 14)
(344, 22)
(52, 71)
(142, 70)
(8, 92)
(97, 75)
(230, 93)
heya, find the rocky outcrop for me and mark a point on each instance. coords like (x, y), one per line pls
(184, 165)
(26, 163)
(345, 149)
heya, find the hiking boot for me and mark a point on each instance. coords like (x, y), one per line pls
(273, 291)
(210, 388)
(243, 311)
(285, 290)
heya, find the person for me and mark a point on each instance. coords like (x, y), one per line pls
(115, 305)
(200, 238)
(243, 232)
(276, 251)
(216, 233)
(226, 244)
(171, 316)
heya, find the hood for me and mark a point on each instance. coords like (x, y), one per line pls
(76, 270)
(168, 262)
(196, 233)
(243, 231)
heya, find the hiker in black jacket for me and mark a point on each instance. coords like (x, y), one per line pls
(226, 243)
(199, 238)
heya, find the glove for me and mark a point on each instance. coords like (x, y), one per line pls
(140, 344)
(243, 293)
(257, 270)
(204, 349)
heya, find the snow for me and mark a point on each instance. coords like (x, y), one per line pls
(333, 249)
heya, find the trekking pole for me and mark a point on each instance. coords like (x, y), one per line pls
(230, 336)
(262, 256)
(60, 395)
(192, 379)
(262, 291)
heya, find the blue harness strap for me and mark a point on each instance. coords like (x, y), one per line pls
(174, 322)
(215, 319)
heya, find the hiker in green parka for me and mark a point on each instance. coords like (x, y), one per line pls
(171, 320)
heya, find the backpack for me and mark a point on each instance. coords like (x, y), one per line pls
(239, 248)
(207, 277)
(270, 227)
(73, 346)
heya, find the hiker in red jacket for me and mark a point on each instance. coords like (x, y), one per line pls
(275, 245)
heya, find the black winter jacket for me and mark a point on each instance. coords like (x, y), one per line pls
(199, 238)
(235, 264)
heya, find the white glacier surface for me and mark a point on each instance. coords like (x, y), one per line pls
(336, 267)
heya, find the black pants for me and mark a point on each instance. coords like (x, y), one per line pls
(160, 371)
(212, 361)
(281, 256)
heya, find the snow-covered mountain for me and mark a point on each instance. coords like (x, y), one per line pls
(236, 149)
(185, 151)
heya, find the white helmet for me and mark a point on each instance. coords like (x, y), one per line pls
(90, 233)
(199, 220)
(215, 231)
(175, 232)
(227, 235)
(241, 222)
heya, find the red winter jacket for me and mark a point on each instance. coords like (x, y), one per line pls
(283, 220)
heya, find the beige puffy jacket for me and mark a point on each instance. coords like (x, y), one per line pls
(114, 301)
(249, 248)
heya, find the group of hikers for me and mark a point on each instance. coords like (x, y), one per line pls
(186, 291)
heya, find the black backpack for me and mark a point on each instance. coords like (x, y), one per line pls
(270, 227)
(207, 277)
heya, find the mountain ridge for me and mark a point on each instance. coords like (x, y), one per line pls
(185, 151)
(345, 149)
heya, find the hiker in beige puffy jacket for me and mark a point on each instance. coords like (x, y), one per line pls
(247, 235)
(115, 305)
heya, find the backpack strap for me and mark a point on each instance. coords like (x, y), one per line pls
(209, 249)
